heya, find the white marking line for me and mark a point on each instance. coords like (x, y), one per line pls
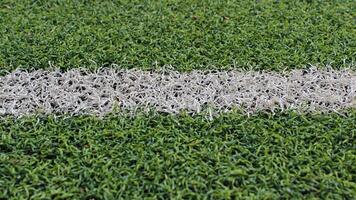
(81, 92)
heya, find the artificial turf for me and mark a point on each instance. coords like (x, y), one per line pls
(159, 156)
(187, 34)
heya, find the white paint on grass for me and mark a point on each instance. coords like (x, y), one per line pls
(81, 92)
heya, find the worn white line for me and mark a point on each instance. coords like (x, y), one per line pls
(82, 92)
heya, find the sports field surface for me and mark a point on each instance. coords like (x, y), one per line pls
(187, 34)
(188, 99)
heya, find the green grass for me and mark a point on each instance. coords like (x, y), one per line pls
(187, 34)
(158, 156)
(164, 156)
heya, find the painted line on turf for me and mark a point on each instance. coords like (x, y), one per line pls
(82, 92)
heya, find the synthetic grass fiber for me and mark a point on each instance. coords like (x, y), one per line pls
(173, 157)
(184, 155)
(81, 92)
(186, 34)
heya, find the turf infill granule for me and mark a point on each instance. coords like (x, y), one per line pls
(79, 91)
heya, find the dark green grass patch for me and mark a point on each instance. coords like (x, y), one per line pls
(164, 156)
(187, 34)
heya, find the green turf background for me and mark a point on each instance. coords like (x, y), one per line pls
(161, 156)
(187, 34)
(164, 156)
